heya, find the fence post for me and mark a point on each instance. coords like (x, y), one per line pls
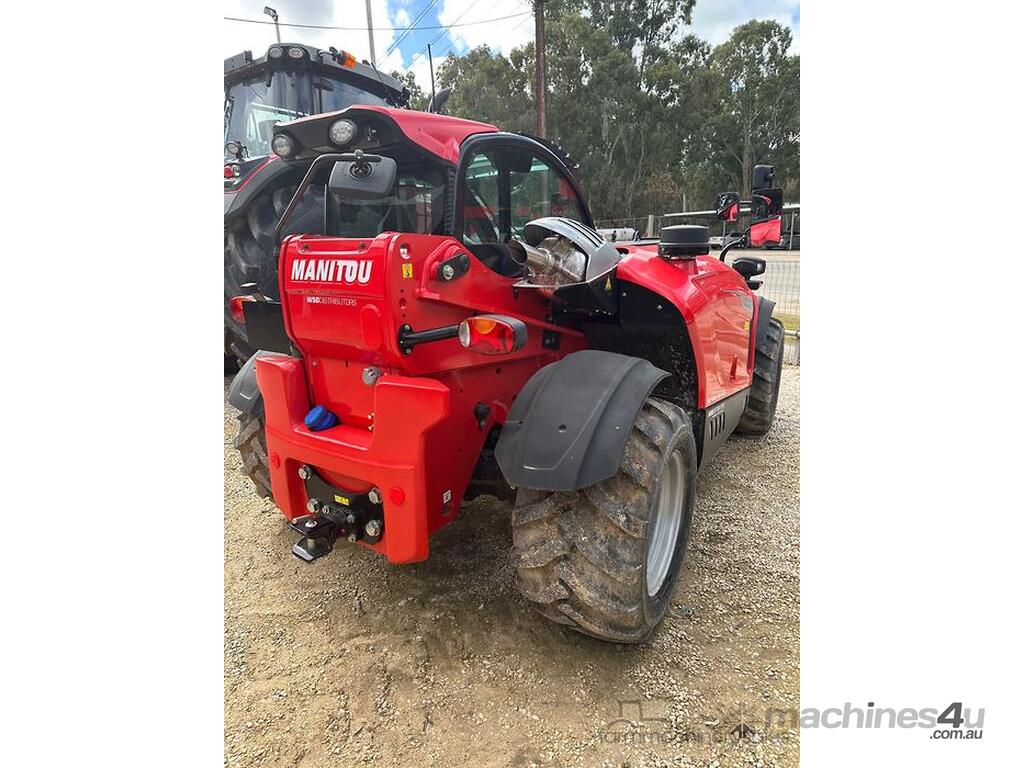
(650, 225)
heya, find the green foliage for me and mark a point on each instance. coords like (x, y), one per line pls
(418, 98)
(655, 120)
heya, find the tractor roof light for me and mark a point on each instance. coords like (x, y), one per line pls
(296, 53)
(344, 58)
(276, 52)
(492, 334)
(342, 132)
(282, 145)
(233, 148)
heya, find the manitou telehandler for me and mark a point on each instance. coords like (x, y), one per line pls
(461, 328)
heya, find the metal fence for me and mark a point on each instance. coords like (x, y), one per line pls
(781, 283)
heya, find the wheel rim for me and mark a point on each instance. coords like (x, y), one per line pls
(667, 520)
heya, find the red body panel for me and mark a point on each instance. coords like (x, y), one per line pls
(717, 306)
(769, 231)
(416, 429)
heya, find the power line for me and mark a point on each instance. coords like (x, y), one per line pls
(448, 47)
(405, 34)
(440, 34)
(387, 29)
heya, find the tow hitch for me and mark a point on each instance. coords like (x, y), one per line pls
(335, 514)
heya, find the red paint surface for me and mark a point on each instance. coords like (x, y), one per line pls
(717, 307)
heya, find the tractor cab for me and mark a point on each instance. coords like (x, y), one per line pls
(293, 81)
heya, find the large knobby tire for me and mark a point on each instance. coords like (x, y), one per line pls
(251, 442)
(250, 255)
(599, 559)
(764, 390)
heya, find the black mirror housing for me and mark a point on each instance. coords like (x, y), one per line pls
(363, 176)
(764, 176)
(727, 206)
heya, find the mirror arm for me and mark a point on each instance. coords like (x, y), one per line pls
(742, 240)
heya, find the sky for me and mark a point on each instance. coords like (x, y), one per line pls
(506, 25)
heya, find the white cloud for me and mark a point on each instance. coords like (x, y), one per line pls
(714, 20)
(352, 13)
(501, 35)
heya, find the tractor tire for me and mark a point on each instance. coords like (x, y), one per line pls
(604, 560)
(764, 390)
(251, 257)
(251, 442)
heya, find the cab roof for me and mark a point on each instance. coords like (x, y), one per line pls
(440, 135)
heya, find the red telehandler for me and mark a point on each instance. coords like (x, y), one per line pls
(461, 329)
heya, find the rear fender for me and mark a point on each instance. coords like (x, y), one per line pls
(271, 175)
(568, 427)
(765, 307)
(244, 392)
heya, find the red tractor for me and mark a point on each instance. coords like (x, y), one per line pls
(462, 329)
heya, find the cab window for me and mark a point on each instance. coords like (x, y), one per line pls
(541, 191)
(507, 186)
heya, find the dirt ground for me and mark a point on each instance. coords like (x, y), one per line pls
(350, 661)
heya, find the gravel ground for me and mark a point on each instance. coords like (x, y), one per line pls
(349, 660)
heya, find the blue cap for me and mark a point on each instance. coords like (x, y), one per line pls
(320, 418)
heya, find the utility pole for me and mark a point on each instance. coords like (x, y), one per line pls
(273, 14)
(540, 65)
(369, 23)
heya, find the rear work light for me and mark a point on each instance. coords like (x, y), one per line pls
(492, 334)
(236, 307)
(282, 145)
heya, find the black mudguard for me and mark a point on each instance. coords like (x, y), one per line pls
(765, 307)
(244, 392)
(569, 425)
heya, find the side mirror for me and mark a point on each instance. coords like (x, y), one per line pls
(363, 176)
(727, 206)
(748, 267)
(764, 176)
(438, 100)
(765, 208)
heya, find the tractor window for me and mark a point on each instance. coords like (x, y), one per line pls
(254, 107)
(507, 186)
(337, 94)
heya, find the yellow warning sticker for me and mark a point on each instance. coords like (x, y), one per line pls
(746, 325)
(608, 283)
(341, 500)
(407, 271)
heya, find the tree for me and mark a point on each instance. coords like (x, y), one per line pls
(653, 119)
(417, 97)
(759, 96)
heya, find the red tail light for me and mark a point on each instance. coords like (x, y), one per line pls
(236, 307)
(492, 334)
